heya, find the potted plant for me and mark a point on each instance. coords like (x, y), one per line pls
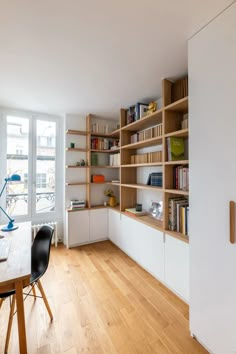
(112, 198)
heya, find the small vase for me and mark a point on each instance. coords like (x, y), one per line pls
(112, 201)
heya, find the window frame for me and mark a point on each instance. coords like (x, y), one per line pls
(32, 164)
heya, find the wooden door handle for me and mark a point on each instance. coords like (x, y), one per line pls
(232, 222)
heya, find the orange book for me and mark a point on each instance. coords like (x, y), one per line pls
(98, 178)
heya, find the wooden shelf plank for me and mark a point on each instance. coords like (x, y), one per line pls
(177, 191)
(115, 134)
(76, 149)
(142, 186)
(107, 182)
(143, 164)
(178, 106)
(97, 166)
(147, 220)
(76, 183)
(178, 235)
(180, 162)
(69, 210)
(72, 166)
(117, 207)
(146, 122)
(183, 133)
(144, 143)
(105, 151)
(76, 132)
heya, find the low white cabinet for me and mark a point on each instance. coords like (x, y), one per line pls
(114, 227)
(177, 266)
(85, 226)
(77, 227)
(98, 224)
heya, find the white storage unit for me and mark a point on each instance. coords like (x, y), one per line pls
(177, 266)
(77, 227)
(212, 58)
(114, 227)
(98, 224)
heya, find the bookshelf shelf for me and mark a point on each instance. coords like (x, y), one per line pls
(76, 183)
(148, 164)
(146, 122)
(142, 186)
(177, 191)
(147, 220)
(144, 143)
(76, 149)
(105, 151)
(72, 166)
(178, 106)
(180, 162)
(114, 134)
(76, 132)
(183, 133)
(97, 166)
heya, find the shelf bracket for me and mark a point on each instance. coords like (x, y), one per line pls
(232, 238)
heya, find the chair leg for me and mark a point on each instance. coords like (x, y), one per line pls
(10, 323)
(45, 299)
(34, 292)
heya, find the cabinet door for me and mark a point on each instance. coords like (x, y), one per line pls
(98, 224)
(114, 227)
(78, 227)
(144, 244)
(212, 58)
(177, 266)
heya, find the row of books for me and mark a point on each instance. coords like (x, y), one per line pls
(155, 179)
(104, 144)
(114, 160)
(77, 204)
(136, 112)
(178, 217)
(149, 157)
(149, 133)
(181, 177)
(179, 89)
(175, 148)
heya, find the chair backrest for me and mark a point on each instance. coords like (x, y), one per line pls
(40, 250)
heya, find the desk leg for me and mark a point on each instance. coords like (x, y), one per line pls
(21, 318)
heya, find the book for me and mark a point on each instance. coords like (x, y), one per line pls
(134, 212)
(175, 148)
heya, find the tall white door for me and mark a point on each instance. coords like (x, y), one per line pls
(212, 74)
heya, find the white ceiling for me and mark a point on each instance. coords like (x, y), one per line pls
(81, 56)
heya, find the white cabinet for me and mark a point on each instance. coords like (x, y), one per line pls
(98, 224)
(177, 266)
(212, 58)
(77, 227)
(114, 227)
(144, 244)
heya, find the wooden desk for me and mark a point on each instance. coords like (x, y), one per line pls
(15, 273)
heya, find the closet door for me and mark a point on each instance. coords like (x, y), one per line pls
(212, 74)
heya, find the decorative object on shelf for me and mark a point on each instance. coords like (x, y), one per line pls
(134, 212)
(98, 179)
(72, 145)
(112, 198)
(156, 210)
(152, 107)
(77, 204)
(82, 162)
(138, 207)
(11, 226)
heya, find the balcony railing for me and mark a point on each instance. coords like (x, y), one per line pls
(15, 197)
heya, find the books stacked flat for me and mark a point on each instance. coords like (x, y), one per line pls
(178, 217)
(155, 179)
(77, 204)
(133, 212)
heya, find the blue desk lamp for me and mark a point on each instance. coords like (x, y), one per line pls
(10, 226)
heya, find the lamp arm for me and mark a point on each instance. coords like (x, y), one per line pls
(6, 180)
(12, 220)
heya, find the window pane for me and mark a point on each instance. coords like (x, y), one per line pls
(17, 162)
(45, 166)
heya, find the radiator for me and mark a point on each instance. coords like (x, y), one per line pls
(36, 227)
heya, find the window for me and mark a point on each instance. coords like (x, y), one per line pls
(30, 149)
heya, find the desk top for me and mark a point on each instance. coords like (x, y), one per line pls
(18, 264)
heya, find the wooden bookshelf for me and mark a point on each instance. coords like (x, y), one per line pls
(76, 132)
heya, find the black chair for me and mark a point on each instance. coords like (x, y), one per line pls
(40, 252)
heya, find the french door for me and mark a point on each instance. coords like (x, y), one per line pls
(29, 148)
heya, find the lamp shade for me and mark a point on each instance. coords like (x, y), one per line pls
(14, 178)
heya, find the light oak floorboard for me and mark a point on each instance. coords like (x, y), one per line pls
(102, 303)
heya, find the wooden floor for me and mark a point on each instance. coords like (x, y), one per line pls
(102, 302)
